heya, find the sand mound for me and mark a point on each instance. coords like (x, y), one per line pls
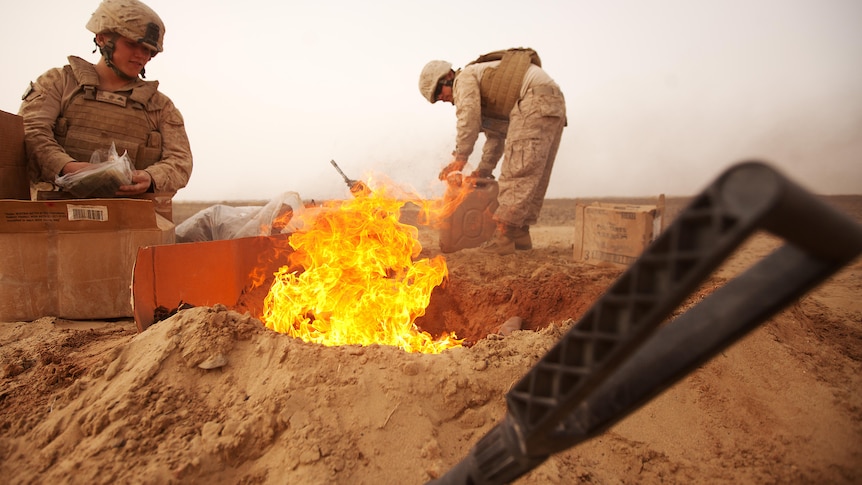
(211, 396)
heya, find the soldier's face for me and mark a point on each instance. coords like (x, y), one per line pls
(130, 57)
(445, 94)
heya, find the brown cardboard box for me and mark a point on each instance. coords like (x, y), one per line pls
(14, 183)
(615, 234)
(73, 258)
(236, 273)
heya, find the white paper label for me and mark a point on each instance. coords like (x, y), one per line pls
(87, 212)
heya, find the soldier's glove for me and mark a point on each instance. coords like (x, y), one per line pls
(482, 173)
(455, 166)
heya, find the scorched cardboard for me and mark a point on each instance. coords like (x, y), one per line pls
(236, 273)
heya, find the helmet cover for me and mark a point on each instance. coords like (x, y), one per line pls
(430, 77)
(131, 19)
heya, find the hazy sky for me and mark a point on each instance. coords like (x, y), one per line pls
(662, 95)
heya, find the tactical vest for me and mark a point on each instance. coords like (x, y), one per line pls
(501, 86)
(93, 119)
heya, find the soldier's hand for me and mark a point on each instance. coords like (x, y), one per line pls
(455, 166)
(141, 182)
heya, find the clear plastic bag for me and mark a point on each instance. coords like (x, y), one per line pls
(222, 221)
(102, 179)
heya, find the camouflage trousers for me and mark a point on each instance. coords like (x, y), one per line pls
(535, 127)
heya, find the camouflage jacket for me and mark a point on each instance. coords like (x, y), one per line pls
(467, 97)
(47, 103)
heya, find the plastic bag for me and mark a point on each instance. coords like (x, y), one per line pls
(222, 221)
(102, 179)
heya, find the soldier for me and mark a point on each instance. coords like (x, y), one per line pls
(71, 112)
(522, 112)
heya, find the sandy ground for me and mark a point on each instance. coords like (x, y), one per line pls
(96, 402)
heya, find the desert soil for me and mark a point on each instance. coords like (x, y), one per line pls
(98, 402)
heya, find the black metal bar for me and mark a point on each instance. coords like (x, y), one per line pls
(594, 375)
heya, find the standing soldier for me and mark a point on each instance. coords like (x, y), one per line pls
(508, 96)
(73, 111)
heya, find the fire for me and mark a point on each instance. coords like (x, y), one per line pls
(353, 278)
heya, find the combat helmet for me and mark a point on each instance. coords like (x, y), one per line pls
(431, 75)
(131, 19)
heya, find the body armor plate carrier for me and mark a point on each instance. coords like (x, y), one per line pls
(501, 85)
(94, 119)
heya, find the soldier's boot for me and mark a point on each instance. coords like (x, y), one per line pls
(521, 236)
(501, 242)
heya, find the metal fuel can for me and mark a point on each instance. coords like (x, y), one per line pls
(469, 223)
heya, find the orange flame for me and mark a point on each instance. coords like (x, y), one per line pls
(352, 278)
(435, 213)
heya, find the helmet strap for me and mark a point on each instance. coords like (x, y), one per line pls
(107, 52)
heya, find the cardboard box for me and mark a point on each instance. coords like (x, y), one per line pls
(615, 234)
(14, 183)
(73, 258)
(236, 273)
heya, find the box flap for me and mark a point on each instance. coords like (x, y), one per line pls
(14, 182)
(79, 215)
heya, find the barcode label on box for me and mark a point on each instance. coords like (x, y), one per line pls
(87, 212)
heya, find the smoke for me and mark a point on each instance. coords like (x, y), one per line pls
(661, 95)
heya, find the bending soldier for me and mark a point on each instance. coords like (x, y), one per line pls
(509, 97)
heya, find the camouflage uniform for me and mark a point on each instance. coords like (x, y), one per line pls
(66, 118)
(528, 140)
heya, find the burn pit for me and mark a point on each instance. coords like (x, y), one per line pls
(479, 298)
(542, 286)
(483, 291)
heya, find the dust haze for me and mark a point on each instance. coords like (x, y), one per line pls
(662, 95)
